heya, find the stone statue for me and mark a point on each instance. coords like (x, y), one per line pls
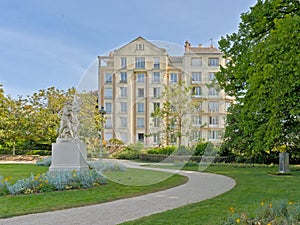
(69, 123)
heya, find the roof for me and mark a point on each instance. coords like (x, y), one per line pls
(176, 59)
(201, 49)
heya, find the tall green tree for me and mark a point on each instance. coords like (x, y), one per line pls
(263, 74)
(176, 113)
(47, 105)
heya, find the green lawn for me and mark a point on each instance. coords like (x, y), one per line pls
(254, 186)
(25, 204)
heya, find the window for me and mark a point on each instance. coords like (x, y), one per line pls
(199, 106)
(108, 123)
(108, 107)
(123, 91)
(140, 62)
(140, 137)
(123, 122)
(213, 92)
(213, 62)
(197, 92)
(156, 92)
(156, 122)
(196, 78)
(213, 135)
(196, 135)
(156, 106)
(156, 77)
(140, 78)
(213, 120)
(140, 122)
(108, 136)
(196, 62)
(173, 78)
(213, 106)
(123, 107)
(123, 78)
(140, 92)
(155, 138)
(123, 62)
(107, 92)
(211, 76)
(140, 107)
(197, 121)
(108, 78)
(139, 46)
(156, 64)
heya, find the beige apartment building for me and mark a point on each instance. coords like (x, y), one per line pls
(132, 78)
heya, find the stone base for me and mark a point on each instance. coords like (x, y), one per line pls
(68, 156)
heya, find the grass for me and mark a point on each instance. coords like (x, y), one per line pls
(26, 204)
(254, 186)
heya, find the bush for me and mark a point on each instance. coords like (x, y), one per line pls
(168, 150)
(203, 147)
(278, 213)
(130, 152)
(44, 161)
(50, 181)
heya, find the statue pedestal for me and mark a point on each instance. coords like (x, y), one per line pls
(68, 156)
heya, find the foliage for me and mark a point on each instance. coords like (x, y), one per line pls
(277, 213)
(32, 122)
(50, 181)
(114, 146)
(167, 150)
(46, 161)
(175, 114)
(203, 147)
(263, 75)
(130, 152)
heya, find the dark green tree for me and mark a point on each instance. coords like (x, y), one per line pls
(263, 75)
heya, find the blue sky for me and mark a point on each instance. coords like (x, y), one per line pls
(46, 43)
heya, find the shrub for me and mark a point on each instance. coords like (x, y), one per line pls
(130, 152)
(281, 212)
(203, 147)
(167, 150)
(46, 161)
(50, 181)
(184, 151)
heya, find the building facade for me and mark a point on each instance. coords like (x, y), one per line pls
(132, 78)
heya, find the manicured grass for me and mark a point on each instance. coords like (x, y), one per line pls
(254, 186)
(139, 177)
(18, 171)
(25, 204)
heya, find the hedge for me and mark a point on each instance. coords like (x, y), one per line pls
(176, 158)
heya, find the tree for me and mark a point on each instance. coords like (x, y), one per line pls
(263, 75)
(47, 105)
(16, 114)
(177, 113)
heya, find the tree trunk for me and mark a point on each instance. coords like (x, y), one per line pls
(14, 148)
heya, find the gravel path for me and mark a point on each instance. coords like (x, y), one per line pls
(200, 186)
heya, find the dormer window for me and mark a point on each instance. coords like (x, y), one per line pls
(139, 46)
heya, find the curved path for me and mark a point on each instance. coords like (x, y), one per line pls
(200, 186)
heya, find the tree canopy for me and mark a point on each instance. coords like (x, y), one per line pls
(263, 74)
